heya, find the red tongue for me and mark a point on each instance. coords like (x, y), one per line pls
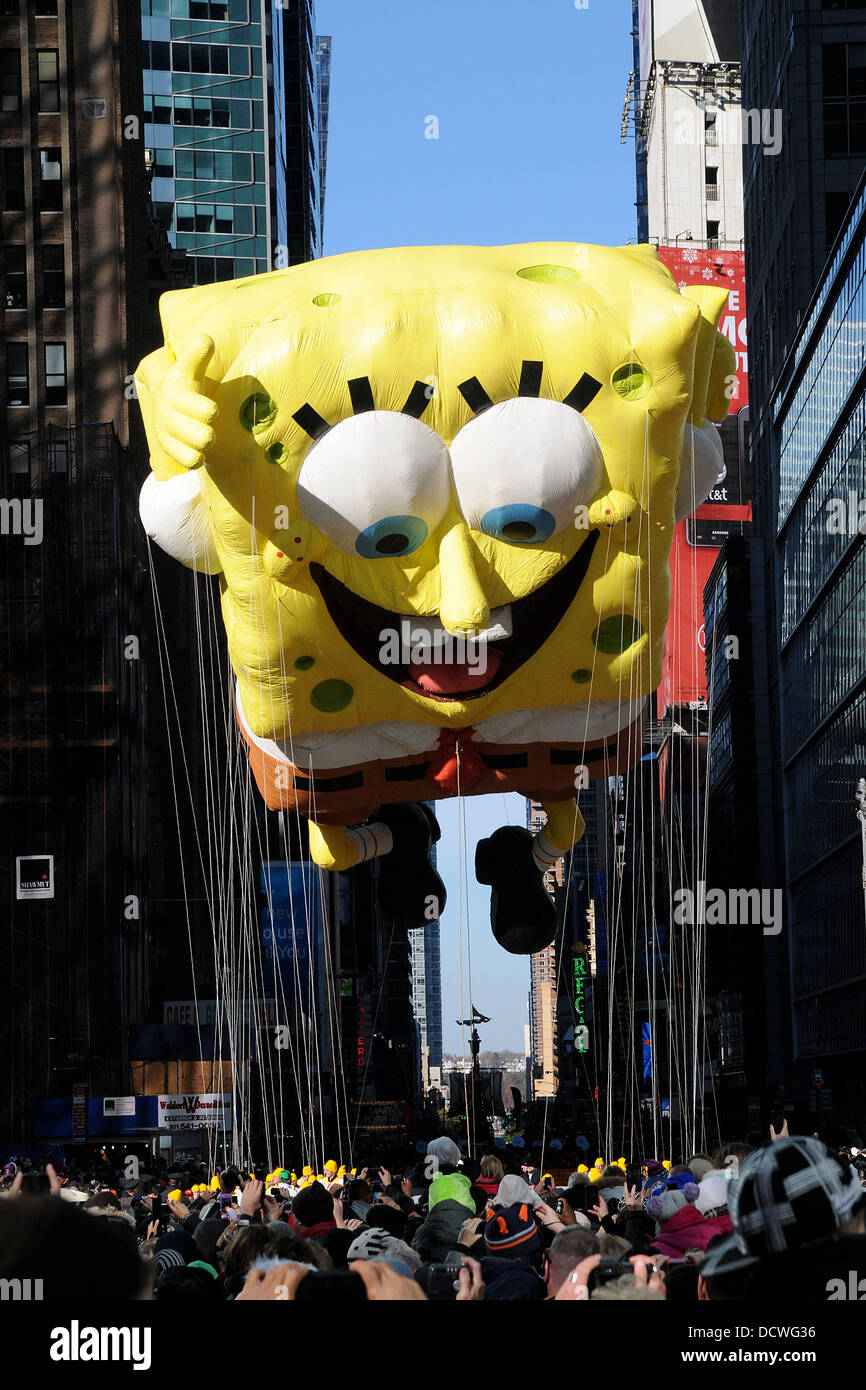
(455, 677)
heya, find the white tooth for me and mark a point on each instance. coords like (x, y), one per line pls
(499, 627)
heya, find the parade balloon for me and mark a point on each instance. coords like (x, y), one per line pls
(438, 486)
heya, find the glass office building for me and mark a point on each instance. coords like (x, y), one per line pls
(819, 436)
(233, 126)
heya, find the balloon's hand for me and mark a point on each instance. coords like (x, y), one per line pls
(184, 413)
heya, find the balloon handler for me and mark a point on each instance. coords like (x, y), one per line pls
(438, 486)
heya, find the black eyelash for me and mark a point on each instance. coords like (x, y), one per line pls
(418, 400)
(474, 395)
(584, 393)
(311, 422)
(530, 379)
(361, 393)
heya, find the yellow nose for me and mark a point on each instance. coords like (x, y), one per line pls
(463, 605)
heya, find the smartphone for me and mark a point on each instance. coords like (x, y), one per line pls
(225, 1199)
(260, 1171)
(157, 1211)
(328, 1284)
(375, 1187)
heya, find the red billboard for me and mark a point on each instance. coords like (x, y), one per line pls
(728, 508)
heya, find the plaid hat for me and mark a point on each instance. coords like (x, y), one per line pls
(511, 1232)
(790, 1192)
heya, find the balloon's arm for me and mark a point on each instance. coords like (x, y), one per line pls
(178, 413)
(715, 358)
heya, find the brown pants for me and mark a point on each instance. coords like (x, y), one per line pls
(348, 795)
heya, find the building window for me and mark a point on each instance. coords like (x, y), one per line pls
(712, 184)
(53, 278)
(15, 267)
(844, 69)
(17, 374)
(203, 57)
(46, 8)
(713, 235)
(55, 373)
(203, 9)
(10, 80)
(50, 180)
(13, 180)
(19, 456)
(49, 79)
(9, 7)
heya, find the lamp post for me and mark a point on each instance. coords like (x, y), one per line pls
(475, 1075)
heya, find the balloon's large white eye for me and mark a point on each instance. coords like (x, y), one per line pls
(522, 467)
(376, 484)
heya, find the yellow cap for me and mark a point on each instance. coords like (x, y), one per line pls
(582, 1168)
(331, 1165)
(666, 1164)
(175, 1194)
(306, 1170)
(599, 1163)
(214, 1184)
(620, 1163)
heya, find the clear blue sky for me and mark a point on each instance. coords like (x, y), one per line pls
(529, 104)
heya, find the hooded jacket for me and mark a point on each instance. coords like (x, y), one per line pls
(686, 1230)
(451, 1204)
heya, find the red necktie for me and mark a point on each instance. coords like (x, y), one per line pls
(456, 764)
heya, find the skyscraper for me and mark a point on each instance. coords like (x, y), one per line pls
(804, 63)
(236, 131)
(84, 264)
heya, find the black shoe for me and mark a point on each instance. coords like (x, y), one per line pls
(410, 892)
(522, 913)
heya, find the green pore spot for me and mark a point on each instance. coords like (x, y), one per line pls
(276, 453)
(257, 412)
(331, 696)
(326, 301)
(304, 663)
(550, 274)
(631, 381)
(615, 635)
(582, 675)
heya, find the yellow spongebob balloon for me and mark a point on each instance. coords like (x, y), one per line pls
(439, 486)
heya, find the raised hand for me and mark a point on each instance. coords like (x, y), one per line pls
(183, 412)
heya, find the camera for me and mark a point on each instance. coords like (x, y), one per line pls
(607, 1270)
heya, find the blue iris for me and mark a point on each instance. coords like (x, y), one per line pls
(390, 537)
(519, 524)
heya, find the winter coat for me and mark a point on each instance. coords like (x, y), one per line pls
(687, 1229)
(440, 1231)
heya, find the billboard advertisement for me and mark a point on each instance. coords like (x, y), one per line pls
(645, 38)
(706, 31)
(728, 509)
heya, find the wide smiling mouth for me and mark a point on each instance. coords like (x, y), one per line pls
(532, 619)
